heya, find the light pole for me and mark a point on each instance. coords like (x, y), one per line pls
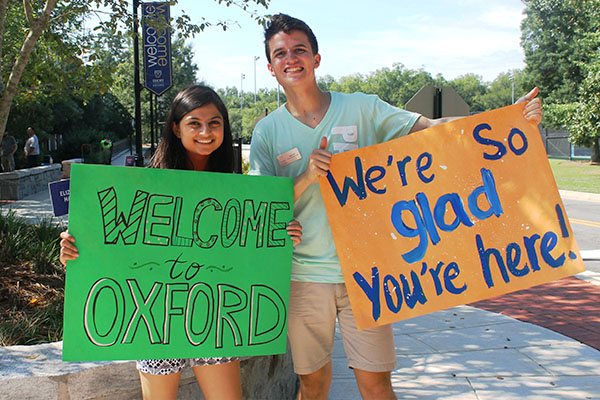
(243, 76)
(137, 87)
(278, 89)
(512, 84)
(255, 59)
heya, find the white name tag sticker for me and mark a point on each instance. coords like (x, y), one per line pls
(289, 157)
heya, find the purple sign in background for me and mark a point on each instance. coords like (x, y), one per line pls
(59, 195)
(157, 47)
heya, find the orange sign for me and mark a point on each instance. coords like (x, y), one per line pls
(450, 215)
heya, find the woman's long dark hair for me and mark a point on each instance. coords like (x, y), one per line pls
(170, 153)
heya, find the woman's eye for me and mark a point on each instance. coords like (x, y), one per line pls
(215, 124)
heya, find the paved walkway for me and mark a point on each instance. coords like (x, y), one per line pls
(493, 349)
(570, 306)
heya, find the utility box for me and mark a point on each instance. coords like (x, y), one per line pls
(438, 102)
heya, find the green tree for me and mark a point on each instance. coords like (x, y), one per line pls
(561, 41)
(552, 36)
(583, 116)
(472, 89)
(503, 91)
(394, 85)
(398, 84)
(22, 24)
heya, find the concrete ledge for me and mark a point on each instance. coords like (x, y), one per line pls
(21, 183)
(37, 372)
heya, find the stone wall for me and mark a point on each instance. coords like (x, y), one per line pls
(37, 372)
(21, 183)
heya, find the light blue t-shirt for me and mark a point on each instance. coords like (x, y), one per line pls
(352, 121)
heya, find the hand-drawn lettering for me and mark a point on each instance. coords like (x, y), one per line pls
(393, 297)
(163, 221)
(548, 243)
(253, 220)
(427, 221)
(114, 221)
(264, 295)
(200, 316)
(104, 332)
(154, 219)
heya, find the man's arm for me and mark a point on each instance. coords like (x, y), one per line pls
(532, 113)
(424, 123)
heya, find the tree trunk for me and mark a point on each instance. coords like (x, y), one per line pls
(595, 157)
(3, 10)
(37, 26)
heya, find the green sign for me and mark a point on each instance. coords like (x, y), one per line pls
(176, 264)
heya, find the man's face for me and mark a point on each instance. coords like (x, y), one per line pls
(292, 58)
(30, 132)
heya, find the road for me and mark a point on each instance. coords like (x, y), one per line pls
(584, 217)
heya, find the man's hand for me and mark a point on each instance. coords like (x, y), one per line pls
(318, 165)
(533, 109)
(319, 162)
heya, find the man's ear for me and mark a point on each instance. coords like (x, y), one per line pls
(176, 130)
(317, 60)
(271, 69)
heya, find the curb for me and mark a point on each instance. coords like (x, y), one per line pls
(568, 194)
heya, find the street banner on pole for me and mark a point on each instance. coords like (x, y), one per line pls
(454, 214)
(176, 264)
(157, 47)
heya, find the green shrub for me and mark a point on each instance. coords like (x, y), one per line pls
(32, 281)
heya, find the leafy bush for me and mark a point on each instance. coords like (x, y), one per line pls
(31, 281)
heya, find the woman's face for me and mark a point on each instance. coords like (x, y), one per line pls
(201, 132)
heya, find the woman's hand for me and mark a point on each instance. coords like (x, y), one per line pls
(294, 229)
(68, 251)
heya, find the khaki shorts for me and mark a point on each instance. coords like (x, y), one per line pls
(311, 327)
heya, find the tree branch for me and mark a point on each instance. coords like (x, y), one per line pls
(3, 10)
(71, 11)
(35, 31)
(28, 12)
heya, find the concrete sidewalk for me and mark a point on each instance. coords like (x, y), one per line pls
(469, 353)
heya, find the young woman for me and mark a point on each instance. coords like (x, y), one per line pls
(196, 136)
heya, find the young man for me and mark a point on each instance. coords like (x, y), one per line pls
(297, 140)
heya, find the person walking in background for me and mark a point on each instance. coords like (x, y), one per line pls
(8, 149)
(32, 149)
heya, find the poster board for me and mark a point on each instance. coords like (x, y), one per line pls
(450, 215)
(176, 264)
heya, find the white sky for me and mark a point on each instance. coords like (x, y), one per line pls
(451, 38)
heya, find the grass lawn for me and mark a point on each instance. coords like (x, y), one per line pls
(579, 176)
